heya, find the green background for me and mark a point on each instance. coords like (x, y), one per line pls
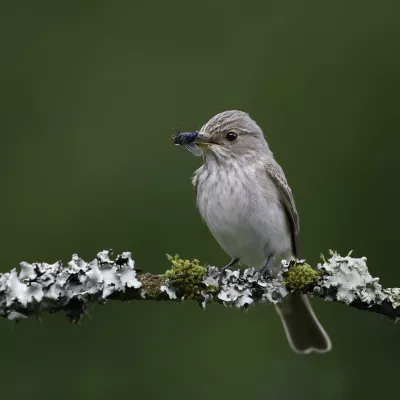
(90, 93)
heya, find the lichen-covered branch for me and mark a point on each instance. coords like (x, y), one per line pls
(40, 287)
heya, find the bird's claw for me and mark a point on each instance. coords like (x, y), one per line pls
(223, 269)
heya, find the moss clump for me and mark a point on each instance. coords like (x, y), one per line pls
(186, 276)
(301, 278)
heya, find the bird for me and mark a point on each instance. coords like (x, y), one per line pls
(244, 198)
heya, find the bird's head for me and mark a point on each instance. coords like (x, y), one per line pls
(230, 134)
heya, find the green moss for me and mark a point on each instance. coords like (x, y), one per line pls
(301, 278)
(187, 277)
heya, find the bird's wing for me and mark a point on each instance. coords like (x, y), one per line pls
(277, 175)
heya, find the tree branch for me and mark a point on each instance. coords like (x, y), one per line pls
(42, 287)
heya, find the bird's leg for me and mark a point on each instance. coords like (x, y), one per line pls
(233, 262)
(266, 270)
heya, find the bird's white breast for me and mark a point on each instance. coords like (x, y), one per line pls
(241, 206)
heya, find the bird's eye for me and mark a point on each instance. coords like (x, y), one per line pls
(231, 136)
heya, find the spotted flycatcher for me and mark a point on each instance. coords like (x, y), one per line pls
(244, 198)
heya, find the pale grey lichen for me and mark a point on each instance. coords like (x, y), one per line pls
(47, 287)
(242, 288)
(169, 289)
(346, 279)
(393, 295)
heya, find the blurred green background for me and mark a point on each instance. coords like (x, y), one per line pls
(90, 93)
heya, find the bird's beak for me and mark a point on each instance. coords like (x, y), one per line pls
(203, 140)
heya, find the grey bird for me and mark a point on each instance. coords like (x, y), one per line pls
(244, 198)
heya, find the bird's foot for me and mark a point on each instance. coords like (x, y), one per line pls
(227, 266)
(266, 270)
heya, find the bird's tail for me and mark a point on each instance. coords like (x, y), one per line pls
(303, 330)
